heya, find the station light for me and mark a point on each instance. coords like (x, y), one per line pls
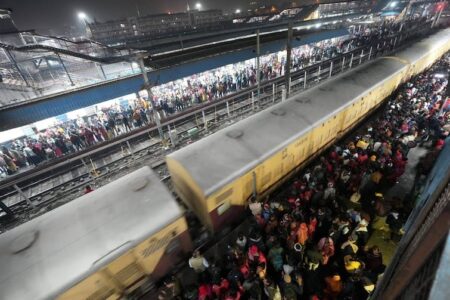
(82, 15)
(238, 11)
(440, 75)
(198, 5)
(393, 4)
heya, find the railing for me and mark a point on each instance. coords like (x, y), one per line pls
(46, 73)
(410, 274)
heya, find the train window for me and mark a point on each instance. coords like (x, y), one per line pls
(224, 195)
(223, 208)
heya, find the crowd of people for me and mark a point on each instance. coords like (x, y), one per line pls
(311, 240)
(72, 136)
(171, 98)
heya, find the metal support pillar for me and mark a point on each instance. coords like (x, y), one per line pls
(318, 72)
(102, 71)
(290, 86)
(169, 130)
(14, 62)
(304, 80)
(283, 94)
(343, 64)
(361, 56)
(274, 91)
(65, 69)
(370, 52)
(85, 165)
(205, 123)
(21, 193)
(258, 71)
(351, 62)
(288, 57)
(148, 88)
(130, 149)
(228, 109)
(331, 69)
(253, 100)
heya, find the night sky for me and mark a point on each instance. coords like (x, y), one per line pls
(44, 14)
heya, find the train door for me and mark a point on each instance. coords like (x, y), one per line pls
(290, 158)
(265, 176)
(299, 151)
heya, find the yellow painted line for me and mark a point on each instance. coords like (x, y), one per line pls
(398, 59)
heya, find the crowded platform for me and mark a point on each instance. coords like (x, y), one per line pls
(81, 133)
(311, 240)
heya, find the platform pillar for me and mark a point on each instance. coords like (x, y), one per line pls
(258, 71)
(331, 69)
(148, 88)
(288, 58)
(65, 69)
(290, 86)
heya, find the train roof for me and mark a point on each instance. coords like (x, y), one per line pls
(47, 255)
(219, 159)
(425, 46)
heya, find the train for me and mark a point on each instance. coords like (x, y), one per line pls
(116, 241)
(103, 245)
(217, 175)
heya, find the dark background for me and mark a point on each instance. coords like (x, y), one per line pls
(44, 14)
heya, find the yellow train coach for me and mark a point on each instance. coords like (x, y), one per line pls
(107, 244)
(218, 174)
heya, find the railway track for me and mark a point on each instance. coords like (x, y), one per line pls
(142, 148)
